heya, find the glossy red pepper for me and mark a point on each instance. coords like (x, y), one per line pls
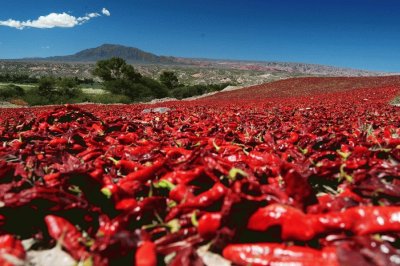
(91, 156)
(52, 180)
(209, 223)
(126, 204)
(175, 153)
(127, 165)
(181, 193)
(146, 254)
(183, 177)
(70, 238)
(262, 254)
(58, 141)
(207, 198)
(144, 174)
(12, 252)
(97, 173)
(128, 138)
(300, 226)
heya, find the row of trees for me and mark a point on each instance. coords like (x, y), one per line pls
(53, 88)
(118, 78)
(121, 78)
(49, 90)
(17, 78)
(27, 79)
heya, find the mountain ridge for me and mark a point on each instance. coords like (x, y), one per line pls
(138, 56)
(106, 51)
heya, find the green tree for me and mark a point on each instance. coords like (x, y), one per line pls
(11, 91)
(115, 69)
(68, 88)
(47, 87)
(157, 89)
(120, 78)
(169, 79)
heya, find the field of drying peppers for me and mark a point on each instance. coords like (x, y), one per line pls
(271, 180)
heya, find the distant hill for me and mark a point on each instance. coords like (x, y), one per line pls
(137, 56)
(106, 51)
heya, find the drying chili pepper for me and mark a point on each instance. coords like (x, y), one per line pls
(70, 238)
(300, 226)
(91, 156)
(52, 180)
(144, 174)
(57, 141)
(127, 138)
(206, 198)
(126, 165)
(146, 254)
(183, 177)
(125, 204)
(97, 173)
(181, 193)
(12, 252)
(261, 254)
(321, 169)
(178, 155)
(209, 223)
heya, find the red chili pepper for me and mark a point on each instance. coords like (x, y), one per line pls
(58, 141)
(11, 250)
(62, 230)
(177, 154)
(91, 156)
(261, 254)
(43, 126)
(111, 140)
(128, 138)
(54, 128)
(297, 225)
(126, 204)
(180, 193)
(209, 224)
(207, 198)
(293, 137)
(126, 165)
(146, 254)
(52, 180)
(183, 177)
(144, 174)
(98, 129)
(111, 190)
(350, 194)
(77, 148)
(97, 173)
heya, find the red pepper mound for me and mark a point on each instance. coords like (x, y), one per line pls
(307, 86)
(301, 180)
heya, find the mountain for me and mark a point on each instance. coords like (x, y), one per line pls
(106, 51)
(140, 57)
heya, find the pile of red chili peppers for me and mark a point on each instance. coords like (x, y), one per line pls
(277, 181)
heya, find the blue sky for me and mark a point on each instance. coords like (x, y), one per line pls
(362, 34)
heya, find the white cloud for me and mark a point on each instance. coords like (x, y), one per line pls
(106, 12)
(11, 23)
(52, 20)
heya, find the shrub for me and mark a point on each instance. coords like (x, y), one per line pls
(107, 98)
(169, 79)
(11, 91)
